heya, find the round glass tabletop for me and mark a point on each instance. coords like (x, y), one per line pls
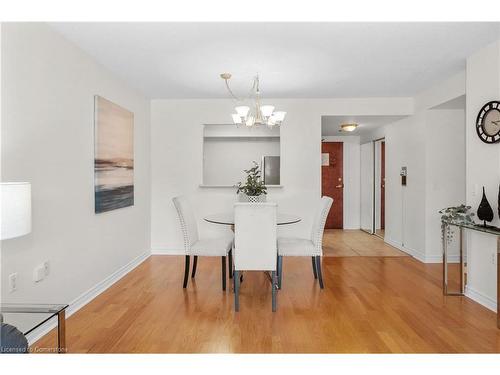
(227, 218)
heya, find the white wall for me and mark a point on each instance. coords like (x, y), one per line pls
(351, 170)
(48, 90)
(177, 137)
(483, 169)
(413, 142)
(366, 186)
(405, 205)
(445, 174)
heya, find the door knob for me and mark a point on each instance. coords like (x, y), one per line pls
(340, 186)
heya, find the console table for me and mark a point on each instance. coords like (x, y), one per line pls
(478, 228)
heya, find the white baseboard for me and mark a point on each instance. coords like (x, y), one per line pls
(164, 251)
(480, 298)
(414, 253)
(452, 258)
(88, 296)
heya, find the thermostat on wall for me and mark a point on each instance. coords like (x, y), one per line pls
(403, 175)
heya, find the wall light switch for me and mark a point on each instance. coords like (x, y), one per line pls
(475, 190)
(38, 273)
(46, 267)
(12, 282)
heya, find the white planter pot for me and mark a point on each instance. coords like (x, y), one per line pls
(252, 198)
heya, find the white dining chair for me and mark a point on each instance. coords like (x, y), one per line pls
(313, 246)
(255, 243)
(193, 246)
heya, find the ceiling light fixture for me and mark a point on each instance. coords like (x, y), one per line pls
(348, 127)
(260, 114)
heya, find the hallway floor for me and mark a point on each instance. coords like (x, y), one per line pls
(356, 243)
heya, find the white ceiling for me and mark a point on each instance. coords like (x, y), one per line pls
(330, 125)
(294, 60)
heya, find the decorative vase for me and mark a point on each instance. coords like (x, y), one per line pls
(484, 211)
(499, 201)
(252, 198)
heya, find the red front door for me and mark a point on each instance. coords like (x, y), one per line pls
(332, 182)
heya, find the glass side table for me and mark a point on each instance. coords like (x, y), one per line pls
(28, 317)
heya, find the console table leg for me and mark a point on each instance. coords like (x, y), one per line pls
(61, 332)
(462, 278)
(445, 261)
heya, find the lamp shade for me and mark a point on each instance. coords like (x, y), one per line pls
(15, 207)
(267, 110)
(242, 111)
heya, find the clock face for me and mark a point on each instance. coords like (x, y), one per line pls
(488, 122)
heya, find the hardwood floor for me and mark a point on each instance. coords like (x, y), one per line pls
(354, 243)
(369, 305)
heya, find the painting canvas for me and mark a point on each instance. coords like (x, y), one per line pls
(114, 156)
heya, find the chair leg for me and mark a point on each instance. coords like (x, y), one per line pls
(318, 269)
(224, 273)
(230, 266)
(186, 271)
(314, 267)
(280, 270)
(274, 287)
(236, 291)
(195, 263)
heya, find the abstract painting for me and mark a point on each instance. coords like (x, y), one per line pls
(113, 156)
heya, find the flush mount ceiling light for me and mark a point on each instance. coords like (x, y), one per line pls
(348, 127)
(259, 114)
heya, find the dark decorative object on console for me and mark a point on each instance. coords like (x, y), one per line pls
(498, 200)
(484, 211)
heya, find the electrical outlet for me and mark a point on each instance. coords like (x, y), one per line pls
(46, 267)
(13, 282)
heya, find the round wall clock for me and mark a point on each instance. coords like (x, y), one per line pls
(488, 122)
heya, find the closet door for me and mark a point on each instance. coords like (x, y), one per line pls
(367, 197)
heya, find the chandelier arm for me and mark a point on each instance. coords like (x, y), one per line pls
(253, 89)
(231, 91)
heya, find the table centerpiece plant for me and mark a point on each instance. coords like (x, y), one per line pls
(253, 190)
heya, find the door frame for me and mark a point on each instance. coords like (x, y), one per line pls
(374, 185)
(374, 188)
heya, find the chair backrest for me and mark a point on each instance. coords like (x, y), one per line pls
(255, 232)
(187, 219)
(319, 223)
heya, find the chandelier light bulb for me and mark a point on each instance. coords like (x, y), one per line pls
(271, 121)
(236, 118)
(250, 121)
(279, 116)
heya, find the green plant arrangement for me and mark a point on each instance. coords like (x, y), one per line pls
(254, 186)
(457, 215)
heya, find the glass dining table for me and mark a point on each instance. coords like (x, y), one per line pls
(227, 218)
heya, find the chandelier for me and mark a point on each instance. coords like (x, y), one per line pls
(259, 114)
